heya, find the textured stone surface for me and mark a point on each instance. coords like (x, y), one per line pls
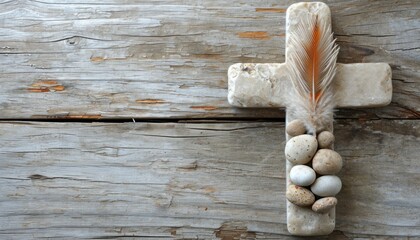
(363, 85)
(258, 85)
(303, 221)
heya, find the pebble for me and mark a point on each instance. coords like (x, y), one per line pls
(295, 128)
(326, 186)
(325, 139)
(299, 196)
(324, 205)
(327, 162)
(302, 175)
(301, 149)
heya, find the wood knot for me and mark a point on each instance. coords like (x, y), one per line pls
(38, 177)
(46, 86)
(234, 231)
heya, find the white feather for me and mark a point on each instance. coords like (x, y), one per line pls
(317, 114)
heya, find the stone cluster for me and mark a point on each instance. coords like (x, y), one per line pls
(315, 165)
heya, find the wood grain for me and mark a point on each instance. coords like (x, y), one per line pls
(195, 180)
(169, 59)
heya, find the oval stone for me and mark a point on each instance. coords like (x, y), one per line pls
(326, 186)
(327, 162)
(302, 175)
(299, 195)
(295, 128)
(325, 139)
(301, 149)
(324, 205)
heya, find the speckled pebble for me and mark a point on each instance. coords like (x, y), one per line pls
(325, 139)
(326, 186)
(299, 195)
(295, 128)
(301, 149)
(324, 205)
(327, 162)
(302, 175)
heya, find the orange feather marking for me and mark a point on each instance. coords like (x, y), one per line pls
(313, 63)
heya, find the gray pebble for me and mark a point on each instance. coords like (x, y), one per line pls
(326, 186)
(302, 175)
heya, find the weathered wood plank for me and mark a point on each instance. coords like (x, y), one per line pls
(196, 180)
(169, 59)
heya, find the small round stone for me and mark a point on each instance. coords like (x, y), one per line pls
(324, 205)
(295, 128)
(302, 175)
(325, 139)
(299, 196)
(301, 149)
(327, 162)
(326, 186)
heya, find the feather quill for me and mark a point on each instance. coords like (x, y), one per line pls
(311, 56)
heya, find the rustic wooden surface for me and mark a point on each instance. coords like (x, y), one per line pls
(168, 59)
(162, 60)
(188, 180)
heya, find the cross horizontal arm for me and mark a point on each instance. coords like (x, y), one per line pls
(267, 85)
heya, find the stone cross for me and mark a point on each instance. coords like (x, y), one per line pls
(267, 85)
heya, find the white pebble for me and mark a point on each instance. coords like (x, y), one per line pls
(302, 175)
(326, 186)
(301, 149)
